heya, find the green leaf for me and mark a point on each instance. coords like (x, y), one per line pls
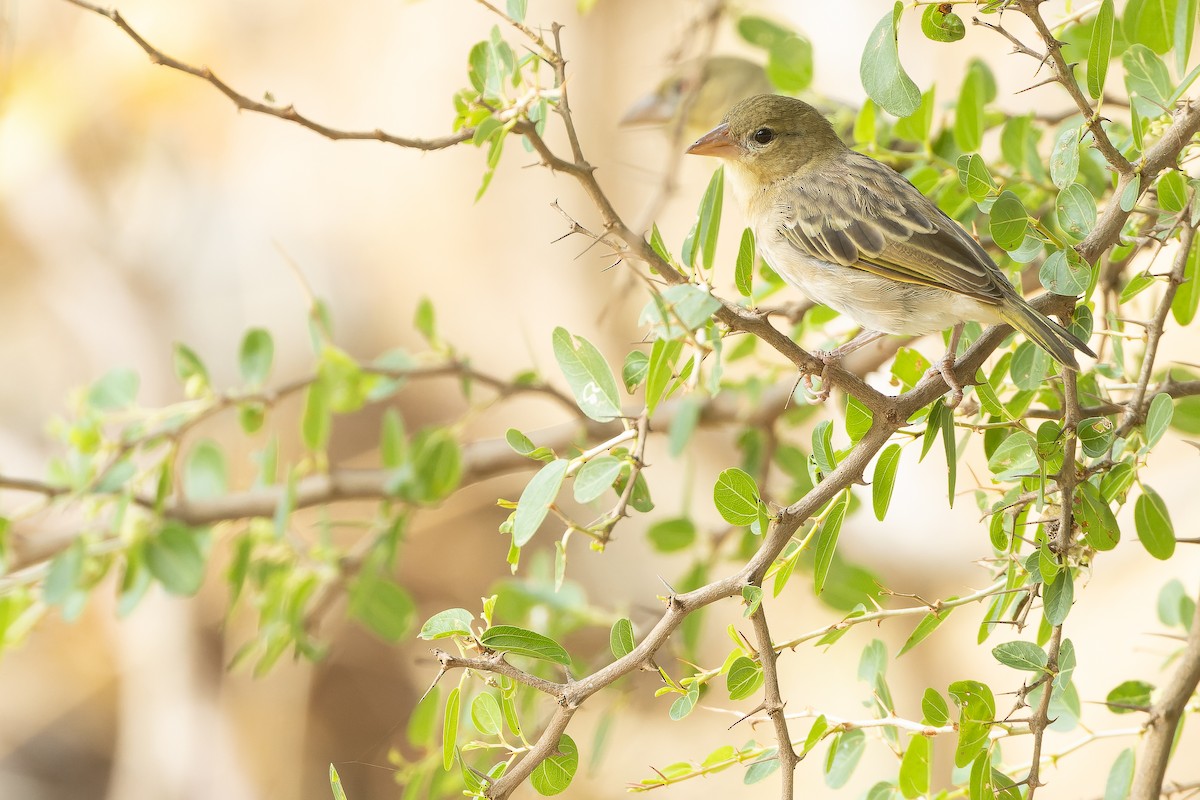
(204, 473)
(1029, 367)
(882, 75)
(977, 708)
(315, 422)
(916, 768)
(255, 356)
(1158, 417)
(620, 638)
(381, 605)
(436, 467)
(827, 541)
(1076, 210)
(761, 32)
(516, 9)
(485, 714)
(116, 390)
(743, 271)
(790, 64)
(942, 27)
(425, 320)
(1154, 528)
(554, 775)
(1058, 598)
(934, 709)
(1172, 191)
(744, 678)
(64, 575)
(1187, 18)
(1129, 696)
(588, 375)
(858, 418)
(521, 642)
(1100, 49)
(335, 784)
(1131, 193)
(190, 370)
(664, 354)
(710, 217)
(175, 558)
(1025, 656)
(736, 497)
(536, 500)
(685, 304)
(1120, 775)
(928, 624)
(634, 370)
(444, 624)
(916, 126)
(844, 754)
(1187, 295)
(1064, 159)
(671, 535)
(1137, 284)
(822, 441)
(1016, 455)
(1065, 272)
(1151, 22)
(1147, 81)
(1096, 518)
(450, 729)
(974, 176)
(884, 480)
(968, 114)
(1008, 221)
(596, 477)
(1095, 435)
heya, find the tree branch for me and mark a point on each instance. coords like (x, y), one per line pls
(288, 112)
(1164, 719)
(773, 703)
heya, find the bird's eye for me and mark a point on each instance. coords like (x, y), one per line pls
(764, 135)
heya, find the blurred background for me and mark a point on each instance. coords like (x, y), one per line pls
(138, 208)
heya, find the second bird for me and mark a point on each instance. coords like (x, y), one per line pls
(854, 234)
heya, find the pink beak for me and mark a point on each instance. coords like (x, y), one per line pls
(716, 142)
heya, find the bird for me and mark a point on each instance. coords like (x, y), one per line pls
(852, 233)
(719, 82)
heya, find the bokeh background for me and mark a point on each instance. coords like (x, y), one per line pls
(138, 208)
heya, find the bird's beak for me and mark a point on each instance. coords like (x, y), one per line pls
(653, 109)
(716, 142)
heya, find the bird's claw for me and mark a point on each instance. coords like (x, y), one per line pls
(829, 358)
(945, 368)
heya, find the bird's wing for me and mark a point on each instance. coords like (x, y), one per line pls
(875, 220)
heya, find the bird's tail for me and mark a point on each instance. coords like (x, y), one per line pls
(1056, 340)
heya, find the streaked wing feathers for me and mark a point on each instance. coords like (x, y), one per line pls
(878, 222)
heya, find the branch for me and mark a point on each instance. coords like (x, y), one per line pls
(773, 704)
(288, 112)
(1135, 412)
(1164, 719)
(1064, 73)
(495, 662)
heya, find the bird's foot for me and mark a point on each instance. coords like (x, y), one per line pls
(945, 368)
(830, 358)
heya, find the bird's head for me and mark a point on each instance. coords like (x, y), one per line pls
(769, 137)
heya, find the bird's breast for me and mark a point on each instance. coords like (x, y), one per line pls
(872, 301)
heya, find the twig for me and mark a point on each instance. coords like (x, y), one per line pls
(1164, 719)
(287, 112)
(1135, 411)
(1064, 73)
(773, 704)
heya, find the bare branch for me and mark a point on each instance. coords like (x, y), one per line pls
(1164, 719)
(288, 112)
(773, 703)
(1064, 73)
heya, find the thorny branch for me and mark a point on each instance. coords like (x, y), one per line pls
(889, 414)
